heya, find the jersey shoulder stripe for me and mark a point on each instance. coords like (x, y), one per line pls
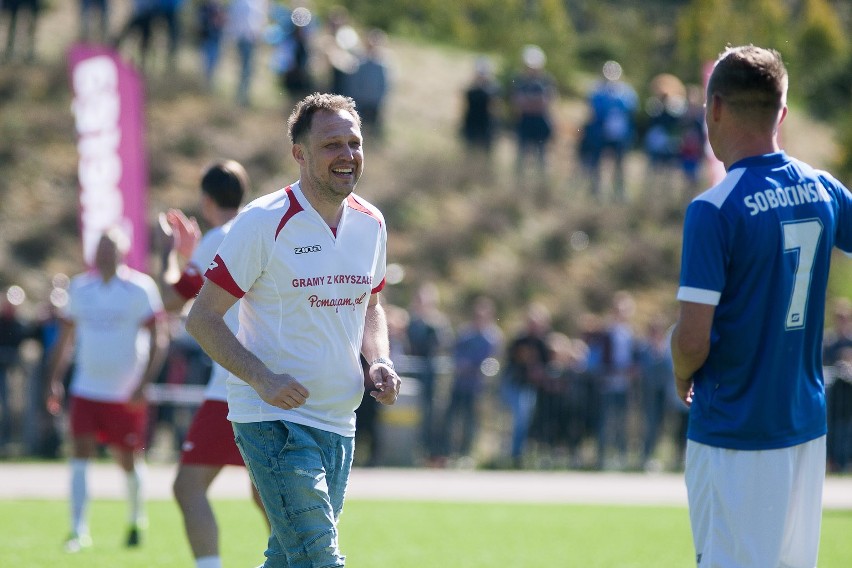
(293, 207)
(363, 206)
(218, 273)
(719, 193)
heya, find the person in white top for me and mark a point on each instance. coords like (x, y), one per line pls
(307, 263)
(114, 319)
(209, 444)
(245, 22)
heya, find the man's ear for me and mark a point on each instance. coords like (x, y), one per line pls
(298, 154)
(783, 115)
(716, 107)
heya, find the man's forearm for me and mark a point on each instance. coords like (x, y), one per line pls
(219, 342)
(687, 361)
(376, 342)
(157, 352)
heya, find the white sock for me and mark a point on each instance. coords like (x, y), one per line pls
(136, 495)
(79, 496)
(208, 562)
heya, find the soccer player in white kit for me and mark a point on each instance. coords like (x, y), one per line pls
(307, 264)
(747, 346)
(113, 324)
(209, 444)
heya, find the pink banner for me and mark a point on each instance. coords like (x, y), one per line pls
(112, 172)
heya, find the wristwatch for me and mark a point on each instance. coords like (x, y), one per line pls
(384, 361)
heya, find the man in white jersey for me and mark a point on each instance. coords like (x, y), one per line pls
(209, 444)
(307, 263)
(114, 319)
(747, 347)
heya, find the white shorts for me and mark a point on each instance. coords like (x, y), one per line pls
(756, 509)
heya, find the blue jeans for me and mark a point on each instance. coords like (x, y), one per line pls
(521, 400)
(301, 474)
(245, 51)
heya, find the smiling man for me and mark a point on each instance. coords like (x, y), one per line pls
(295, 372)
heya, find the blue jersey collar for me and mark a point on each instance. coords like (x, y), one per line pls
(765, 160)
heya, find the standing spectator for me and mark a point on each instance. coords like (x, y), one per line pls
(307, 264)
(837, 358)
(339, 46)
(595, 346)
(140, 24)
(292, 60)
(527, 358)
(169, 13)
(210, 21)
(693, 139)
(13, 331)
(479, 341)
(679, 413)
(367, 413)
(429, 334)
(610, 128)
(370, 82)
(479, 121)
(91, 10)
(245, 24)
(747, 347)
(532, 96)
(556, 423)
(42, 435)
(664, 111)
(209, 444)
(11, 9)
(114, 319)
(654, 365)
(619, 368)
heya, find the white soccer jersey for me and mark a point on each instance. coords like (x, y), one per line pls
(202, 256)
(112, 344)
(303, 292)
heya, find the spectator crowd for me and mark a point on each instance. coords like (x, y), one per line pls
(599, 398)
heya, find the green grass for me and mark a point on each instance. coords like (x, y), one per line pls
(393, 534)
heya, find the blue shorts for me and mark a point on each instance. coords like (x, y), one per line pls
(301, 474)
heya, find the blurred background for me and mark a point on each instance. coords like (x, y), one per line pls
(533, 160)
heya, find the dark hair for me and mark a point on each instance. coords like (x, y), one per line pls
(300, 119)
(226, 182)
(750, 78)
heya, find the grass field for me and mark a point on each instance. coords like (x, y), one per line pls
(392, 534)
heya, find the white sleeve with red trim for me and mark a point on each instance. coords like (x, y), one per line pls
(244, 252)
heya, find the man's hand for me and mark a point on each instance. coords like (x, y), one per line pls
(283, 391)
(138, 397)
(387, 382)
(55, 396)
(684, 390)
(185, 233)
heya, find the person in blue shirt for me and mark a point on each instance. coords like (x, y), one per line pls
(747, 345)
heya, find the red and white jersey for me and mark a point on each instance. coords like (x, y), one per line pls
(112, 342)
(303, 292)
(202, 256)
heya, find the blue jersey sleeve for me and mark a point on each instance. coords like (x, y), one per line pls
(705, 254)
(843, 200)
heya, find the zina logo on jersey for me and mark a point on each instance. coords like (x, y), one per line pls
(307, 249)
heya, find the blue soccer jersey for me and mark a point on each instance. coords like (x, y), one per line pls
(758, 246)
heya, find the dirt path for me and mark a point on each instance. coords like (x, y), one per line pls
(50, 481)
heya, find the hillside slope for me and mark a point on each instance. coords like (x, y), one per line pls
(472, 228)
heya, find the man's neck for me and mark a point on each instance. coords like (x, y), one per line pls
(329, 210)
(745, 147)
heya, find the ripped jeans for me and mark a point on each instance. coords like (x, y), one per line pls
(301, 474)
